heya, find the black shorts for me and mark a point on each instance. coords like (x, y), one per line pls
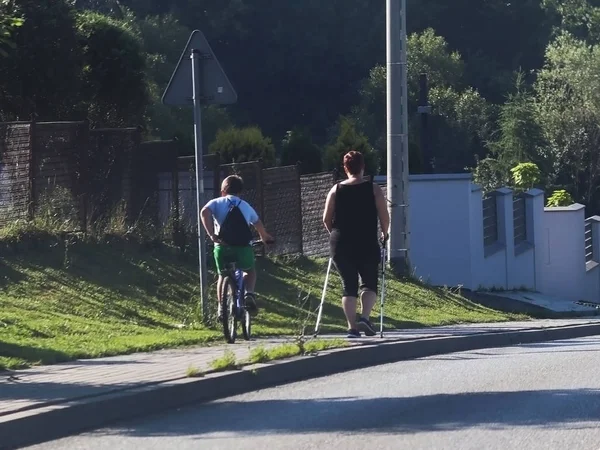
(354, 263)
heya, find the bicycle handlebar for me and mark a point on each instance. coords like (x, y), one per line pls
(260, 242)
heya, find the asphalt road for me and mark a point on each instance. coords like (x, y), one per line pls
(539, 396)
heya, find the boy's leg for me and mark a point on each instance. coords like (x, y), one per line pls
(246, 261)
(220, 255)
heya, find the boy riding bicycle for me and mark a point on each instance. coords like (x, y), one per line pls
(233, 217)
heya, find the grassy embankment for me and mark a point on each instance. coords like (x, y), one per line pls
(62, 300)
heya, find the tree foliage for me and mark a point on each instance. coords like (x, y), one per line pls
(568, 108)
(461, 118)
(7, 24)
(349, 139)
(298, 148)
(510, 82)
(114, 87)
(41, 78)
(237, 145)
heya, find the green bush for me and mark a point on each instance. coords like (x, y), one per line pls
(559, 198)
(237, 145)
(525, 175)
(298, 147)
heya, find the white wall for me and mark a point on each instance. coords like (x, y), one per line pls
(524, 272)
(440, 228)
(447, 245)
(491, 264)
(563, 252)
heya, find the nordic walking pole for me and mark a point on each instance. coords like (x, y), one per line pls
(323, 298)
(383, 258)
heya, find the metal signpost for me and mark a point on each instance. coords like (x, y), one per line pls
(199, 80)
(397, 135)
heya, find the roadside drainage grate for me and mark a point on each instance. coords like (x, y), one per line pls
(589, 304)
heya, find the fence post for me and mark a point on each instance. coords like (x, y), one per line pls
(32, 163)
(299, 205)
(260, 189)
(217, 176)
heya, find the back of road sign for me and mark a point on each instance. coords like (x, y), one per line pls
(216, 88)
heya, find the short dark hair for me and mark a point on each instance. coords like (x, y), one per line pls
(233, 185)
(354, 162)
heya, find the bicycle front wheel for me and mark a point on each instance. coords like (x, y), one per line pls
(229, 307)
(246, 325)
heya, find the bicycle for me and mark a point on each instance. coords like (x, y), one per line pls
(233, 305)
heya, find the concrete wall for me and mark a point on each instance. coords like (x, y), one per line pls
(525, 269)
(563, 252)
(592, 268)
(440, 228)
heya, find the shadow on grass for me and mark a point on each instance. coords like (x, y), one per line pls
(8, 275)
(32, 354)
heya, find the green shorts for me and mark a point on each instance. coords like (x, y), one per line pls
(242, 256)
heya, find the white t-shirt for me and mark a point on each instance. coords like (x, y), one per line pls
(220, 207)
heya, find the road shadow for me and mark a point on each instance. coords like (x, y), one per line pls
(427, 413)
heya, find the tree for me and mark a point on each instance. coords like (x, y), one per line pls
(298, 147)
(460, 121)
(519, 136)
(518, 139)
(7, 24)
(349, 139)
(115, 90)
(42, 76)
(236, 145)
(493, 36)
(578, 17)
(568, 111)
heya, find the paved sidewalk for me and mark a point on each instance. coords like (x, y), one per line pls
(48, 385)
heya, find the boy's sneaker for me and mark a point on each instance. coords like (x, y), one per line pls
(250, 302)
(367, 327)
(353, 334)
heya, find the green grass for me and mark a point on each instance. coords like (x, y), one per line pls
(193, 372)
(225, 362)
(61, 302)
(322, 345)
(262, 355)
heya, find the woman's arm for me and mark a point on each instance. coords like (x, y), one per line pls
(329, 210)
(382, 210)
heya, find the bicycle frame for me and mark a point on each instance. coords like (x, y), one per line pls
(239, 282)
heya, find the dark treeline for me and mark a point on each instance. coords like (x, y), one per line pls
(510, 82)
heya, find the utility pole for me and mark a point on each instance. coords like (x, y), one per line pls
(397, 136)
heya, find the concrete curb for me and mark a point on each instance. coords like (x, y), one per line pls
(53, 422)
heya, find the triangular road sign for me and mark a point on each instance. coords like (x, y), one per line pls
(216, 88)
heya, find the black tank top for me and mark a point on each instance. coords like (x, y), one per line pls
(355, 216)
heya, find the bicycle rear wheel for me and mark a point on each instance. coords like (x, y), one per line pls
(228, 305)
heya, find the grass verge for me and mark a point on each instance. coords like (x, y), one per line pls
(67, 299)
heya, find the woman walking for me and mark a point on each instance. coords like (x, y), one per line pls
(351, 212)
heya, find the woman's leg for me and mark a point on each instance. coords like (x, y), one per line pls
(349, 275)
(369, 276)
(368, 299)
